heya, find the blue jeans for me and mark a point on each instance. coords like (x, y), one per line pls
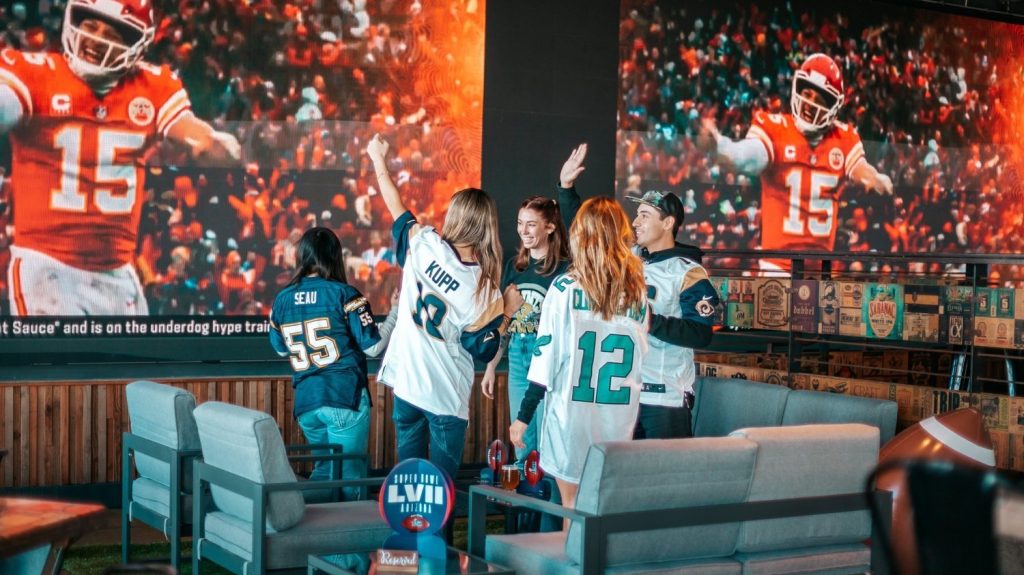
(417, 429)
(349, 428)
(520, 354)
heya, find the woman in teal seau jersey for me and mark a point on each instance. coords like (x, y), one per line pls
(543, 255)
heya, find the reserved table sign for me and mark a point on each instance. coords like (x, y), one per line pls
(397, 561)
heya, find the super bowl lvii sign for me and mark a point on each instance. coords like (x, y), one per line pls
(416, 500)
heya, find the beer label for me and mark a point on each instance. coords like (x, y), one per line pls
(845, 364)
(851, 321)
(955, 315)
(739, 309)
(896, 365)
(772, 307)
(851, 294)
(1003, 299)
(883, 311)
(994, 332)
(994, 408)
(1017, 415)
(803, 310)
(828, 307)
(872, 364)
(721, 286)
(921, 368)
(921, 312)
(983, 302)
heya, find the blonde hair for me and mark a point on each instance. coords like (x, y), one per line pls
(472, 221)
(611, 276)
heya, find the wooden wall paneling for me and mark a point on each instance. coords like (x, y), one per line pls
(64, 432)
(7, 436)
(70, 432)
(24, 436)
(88, 423)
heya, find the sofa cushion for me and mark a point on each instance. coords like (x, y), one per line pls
(531, 553)
(657, 474)
(248, 443)
(156, 498)
(808, 461)
(804, 407)
(324, 528)
(724, 405)
(829, 560)
(162, 414)
(545, 553)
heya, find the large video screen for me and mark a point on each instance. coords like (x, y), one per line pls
(101, 197)
(932, 102)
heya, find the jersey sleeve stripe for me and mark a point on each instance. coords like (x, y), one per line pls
(19, 295)
(181, 114)
(759, 134)
(693, 276)
(172, 108)
(19, 87)
(855, 155)
(493, 310)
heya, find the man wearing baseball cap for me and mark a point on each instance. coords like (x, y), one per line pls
(683, 301)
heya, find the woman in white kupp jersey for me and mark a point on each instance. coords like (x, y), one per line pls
(450, 313)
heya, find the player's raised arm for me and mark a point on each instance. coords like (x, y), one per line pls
(11, 109)
(747, 156)
(866, 174)
(203, 141)
(377, 150)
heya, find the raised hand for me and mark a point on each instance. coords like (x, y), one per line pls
(377, 149)
(883, 184)
(707, 137)
(573, 167)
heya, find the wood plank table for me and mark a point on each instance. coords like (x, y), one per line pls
(35, 533)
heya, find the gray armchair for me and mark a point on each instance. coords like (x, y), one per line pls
(261, 521)
(163, 442)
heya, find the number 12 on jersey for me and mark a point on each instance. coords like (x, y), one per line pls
(584, 388)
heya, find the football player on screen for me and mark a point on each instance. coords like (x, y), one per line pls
(802, 159)
(79, 124)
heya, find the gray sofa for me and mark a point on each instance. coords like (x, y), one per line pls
(760, 501)
(723, 405)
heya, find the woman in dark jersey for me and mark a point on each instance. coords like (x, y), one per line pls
(326, 329)
(543, 255)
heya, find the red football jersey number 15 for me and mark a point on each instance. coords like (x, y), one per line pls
(70, 197)
(819, 204)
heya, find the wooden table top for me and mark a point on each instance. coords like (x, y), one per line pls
(29, 523)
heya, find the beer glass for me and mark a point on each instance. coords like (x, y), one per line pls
(509, 476)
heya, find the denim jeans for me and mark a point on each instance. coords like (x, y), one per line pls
(520, 354)
(418, 430)
(349, 428)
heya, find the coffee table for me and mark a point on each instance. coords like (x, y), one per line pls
(457, 562)
(35, 533)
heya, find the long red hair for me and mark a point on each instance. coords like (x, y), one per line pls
(610, 274)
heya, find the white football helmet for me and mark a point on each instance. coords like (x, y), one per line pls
(133, 19)
(820, 73)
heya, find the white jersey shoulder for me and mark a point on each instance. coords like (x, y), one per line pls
(428, 366)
